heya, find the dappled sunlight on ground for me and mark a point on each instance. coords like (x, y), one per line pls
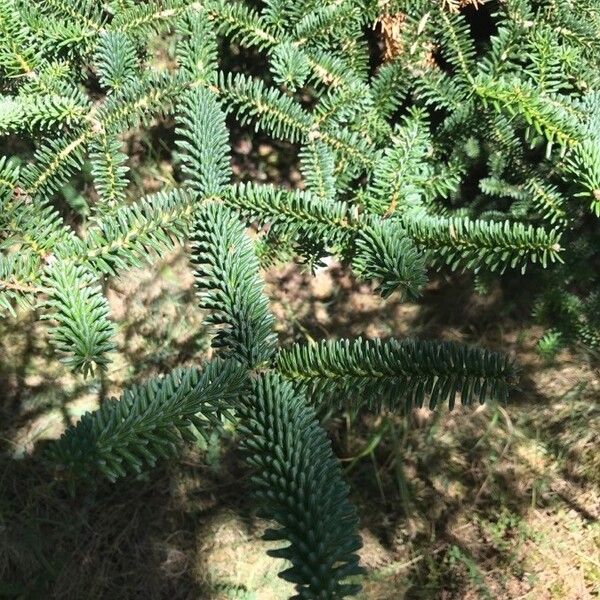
(492, 502)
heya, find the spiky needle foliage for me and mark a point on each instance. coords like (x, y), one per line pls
(462, 149)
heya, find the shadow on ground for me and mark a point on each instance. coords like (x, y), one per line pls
(496, 502)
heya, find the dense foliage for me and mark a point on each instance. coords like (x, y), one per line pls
(470, 139)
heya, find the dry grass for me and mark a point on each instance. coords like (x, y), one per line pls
(500, 502)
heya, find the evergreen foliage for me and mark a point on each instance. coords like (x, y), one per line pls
(149, 420)
(83, 332)
(230, 287)
(299, 483)
(397, 373)
(447, 147)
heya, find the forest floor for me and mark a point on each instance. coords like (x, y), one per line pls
(493, 502)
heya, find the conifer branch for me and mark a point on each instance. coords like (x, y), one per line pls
(226, 272)
(204, 143)
(115, 60)
(398, 374)
(19, 281)
(83, 334)
(132, 234)
(317, 163)
(299, 485)
(474, 244)
(386, 254)
(519, 99)
(149, 421)
(108, 168)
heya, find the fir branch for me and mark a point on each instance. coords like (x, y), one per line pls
(317, 163)
(389, 87)
(328, 71)
(283, 118)
(398, 374)
(226, 272)
(54, 162)
(436, 88)
(196, 51)
(115, 60)
(80, 11)
(108, 169)
(458, 45)
(299, 485)
(144, 19)
(19, 52)
(343, 105)
(9, 177)
(583, 163)
(475, 244)
(19, 281)
(35, 227)
(149, 420)
(131, 235)
(204, 143)
(274, 112)
(401, 171)
(42, 111)
(295, 212)
(546, 115)
(138, 101)
(280, 13)
(548, 201)
(241, 23)
(385, 254)
(290, 66)
(323, 21)
(83, 334)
